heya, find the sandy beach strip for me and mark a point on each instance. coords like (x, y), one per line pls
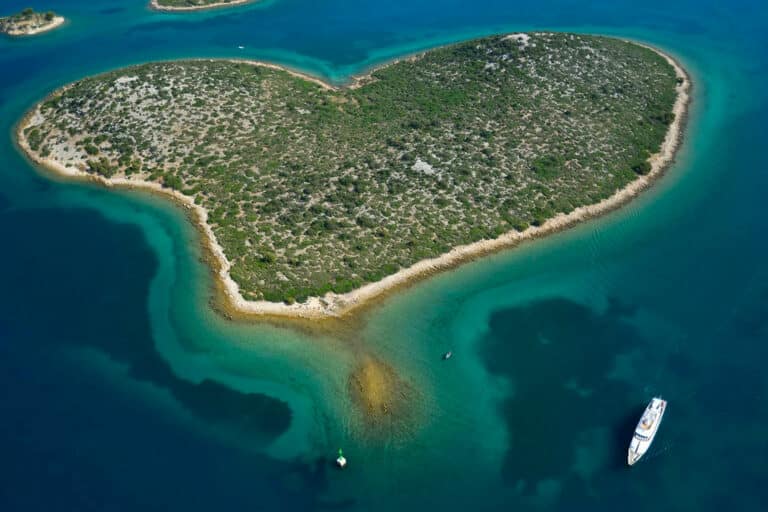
(334, 305)
(153, 4)
(292, 72)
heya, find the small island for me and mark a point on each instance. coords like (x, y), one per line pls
(194, 5)
(313, 199)
(28, 23)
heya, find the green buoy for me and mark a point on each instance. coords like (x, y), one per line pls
(341, 461)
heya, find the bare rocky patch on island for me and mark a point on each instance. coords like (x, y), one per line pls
(311, 189)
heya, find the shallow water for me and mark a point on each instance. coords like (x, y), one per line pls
(120, 389)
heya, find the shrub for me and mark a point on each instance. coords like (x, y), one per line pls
(547, 167)
(102, 167)
(641, 166)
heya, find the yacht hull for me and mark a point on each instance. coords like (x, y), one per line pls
(646, 430)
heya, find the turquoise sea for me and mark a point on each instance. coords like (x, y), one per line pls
(121, 390)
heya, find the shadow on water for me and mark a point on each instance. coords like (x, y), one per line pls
(84, 285)
(65, 290)
(564, 413)
(111, 10)
(570, 423)
(622, 435)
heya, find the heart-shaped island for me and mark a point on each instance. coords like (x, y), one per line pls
(313, 198)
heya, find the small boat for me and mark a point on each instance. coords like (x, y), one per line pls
(447, 355)
(646, 430)
(341, 461)
(241, 47)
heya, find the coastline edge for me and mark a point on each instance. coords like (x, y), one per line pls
(332, 305)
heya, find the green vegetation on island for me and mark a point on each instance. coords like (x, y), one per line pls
(311, 190)
(29, 22)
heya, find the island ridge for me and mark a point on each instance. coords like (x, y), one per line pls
(306, 192)
(194, 5)
(28, 23)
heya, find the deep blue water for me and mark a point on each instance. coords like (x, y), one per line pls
(121, 390)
